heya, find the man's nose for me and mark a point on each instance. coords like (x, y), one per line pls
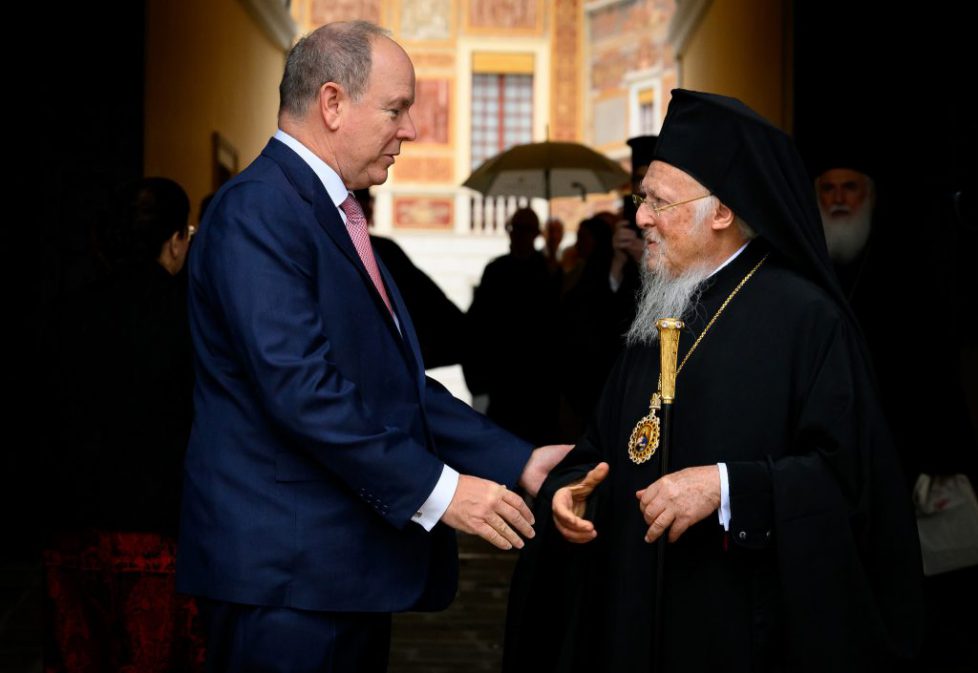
(407, 130)
(644, 217)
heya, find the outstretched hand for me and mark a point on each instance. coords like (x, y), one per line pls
(569, 503)
(489, 510)
(541, 461)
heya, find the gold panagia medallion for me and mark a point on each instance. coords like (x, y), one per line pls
(645, 437)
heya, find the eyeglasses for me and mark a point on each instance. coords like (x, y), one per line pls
(640, 200)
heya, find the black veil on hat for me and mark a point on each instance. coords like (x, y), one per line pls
(843, 578)
(753, 167)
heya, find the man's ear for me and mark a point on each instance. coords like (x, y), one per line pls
(173, 252)
(722, 218)
(332, 103)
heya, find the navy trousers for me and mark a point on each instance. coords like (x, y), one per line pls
(255, 639)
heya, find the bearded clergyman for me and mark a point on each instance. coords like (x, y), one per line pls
(845, 201)
(791, 542)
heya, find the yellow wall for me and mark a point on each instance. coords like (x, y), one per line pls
(739, 49)
(209, 67)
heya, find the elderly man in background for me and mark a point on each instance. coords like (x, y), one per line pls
(845, 200)
(892, 262)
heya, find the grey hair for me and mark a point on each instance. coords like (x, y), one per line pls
(336, 52)
(704, 207)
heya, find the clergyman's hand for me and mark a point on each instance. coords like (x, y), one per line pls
(489, 510)
(569, 503)
(541, 461)
(678, 500)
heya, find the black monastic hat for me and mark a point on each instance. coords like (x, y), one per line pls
(643, 150)
(753, 167)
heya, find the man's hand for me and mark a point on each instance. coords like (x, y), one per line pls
(678, 500)
(626, 245)
(487, 509)
(626, 240)
(541, 461)
(569, 503)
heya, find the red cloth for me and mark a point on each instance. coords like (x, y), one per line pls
(112, 606)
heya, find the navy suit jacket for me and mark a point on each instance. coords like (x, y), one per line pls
(317, 434)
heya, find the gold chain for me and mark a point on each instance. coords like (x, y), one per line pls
(644, 439)
(719, 311)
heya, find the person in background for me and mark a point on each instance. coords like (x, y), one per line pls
(125, 413)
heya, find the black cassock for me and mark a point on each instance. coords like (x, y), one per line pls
(820, 568)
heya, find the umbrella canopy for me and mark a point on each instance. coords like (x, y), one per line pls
(547, 170)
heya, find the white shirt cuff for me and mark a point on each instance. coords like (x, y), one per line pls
(724, 511)
(613, 282)
(441, 496)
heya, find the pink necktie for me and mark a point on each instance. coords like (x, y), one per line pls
(356, 224)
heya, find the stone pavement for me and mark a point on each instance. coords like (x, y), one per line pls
(468, 637)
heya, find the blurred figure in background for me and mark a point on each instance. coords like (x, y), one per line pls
(553, 234)
(869, 251)
(439, 323)
(124, 414)
(589, 334)
(512, 333)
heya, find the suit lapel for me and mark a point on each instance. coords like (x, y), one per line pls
(310, 189)
(409, 338)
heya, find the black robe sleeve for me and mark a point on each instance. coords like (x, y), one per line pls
(827, 506)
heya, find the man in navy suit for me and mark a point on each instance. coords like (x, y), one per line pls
(325, 471)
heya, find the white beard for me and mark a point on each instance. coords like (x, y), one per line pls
(846, 232)
(664, 297)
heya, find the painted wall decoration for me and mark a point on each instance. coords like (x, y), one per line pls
(411, 168)
(425, 20)
(496, 15)
(432, 104)
(327, 11)
(424, 212)
(565, 112)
